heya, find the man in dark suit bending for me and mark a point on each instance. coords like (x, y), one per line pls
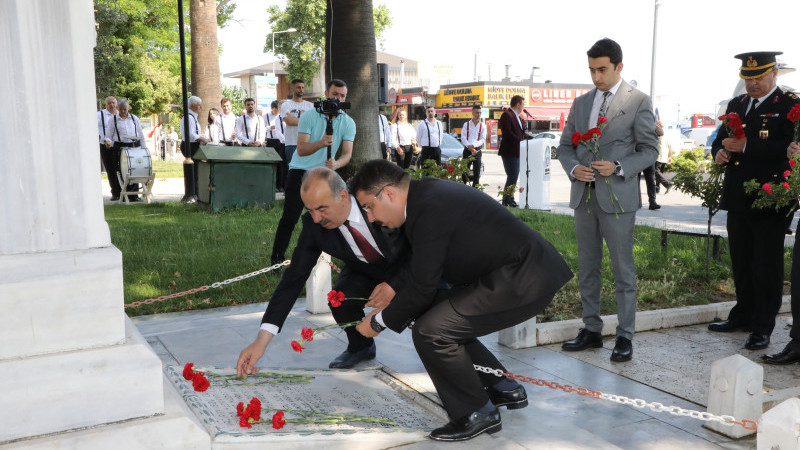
(374, 266)
(503, 279)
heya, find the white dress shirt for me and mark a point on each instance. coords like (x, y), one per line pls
(598, 102)
(227, 126)
(356, 221)
(402, 133)
(435, 129)
(384, 131)
(194, 127)
(250, 129)
(125, 130)
(280, 127)
(473, 134)
(214, 132)
(103, 117)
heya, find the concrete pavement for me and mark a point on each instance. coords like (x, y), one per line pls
(670, 366)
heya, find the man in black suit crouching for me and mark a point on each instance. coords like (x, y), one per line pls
(375, 266)
(500, 280)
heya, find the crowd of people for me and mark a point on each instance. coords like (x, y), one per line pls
(405, 247)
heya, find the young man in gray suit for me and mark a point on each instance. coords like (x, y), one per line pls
(605, 191)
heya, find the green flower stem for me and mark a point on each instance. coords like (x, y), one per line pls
(322, 418)
(261, 378)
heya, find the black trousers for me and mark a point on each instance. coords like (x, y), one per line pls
(404, 160)
(117, 154)
(756, 246)
(475, 165)
(795, 278)
(107, 156)
(283, 169)
(357, 285)
(650, 183)
(660, 176)
(434, 153)
(292, 209)
(447, 343)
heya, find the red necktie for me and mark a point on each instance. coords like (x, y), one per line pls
(370, 254)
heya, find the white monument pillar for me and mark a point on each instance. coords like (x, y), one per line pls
(69, 357)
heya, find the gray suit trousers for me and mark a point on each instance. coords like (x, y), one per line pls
(591, 228)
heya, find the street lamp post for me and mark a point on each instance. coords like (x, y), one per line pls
(290, 30)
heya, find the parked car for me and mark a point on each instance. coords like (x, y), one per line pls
(553, 138)
(697, 136)
(451, 147)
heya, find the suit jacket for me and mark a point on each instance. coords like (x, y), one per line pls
(500, 262)
(512, 134)
(629, 137)
(763, 159)
(314, 240)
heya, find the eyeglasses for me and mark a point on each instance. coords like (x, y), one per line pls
(377, 197)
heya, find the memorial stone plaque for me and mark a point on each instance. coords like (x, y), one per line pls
(346, 402)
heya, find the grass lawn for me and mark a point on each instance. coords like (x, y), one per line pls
(174, 247)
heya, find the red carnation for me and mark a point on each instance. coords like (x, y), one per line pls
(277, 420)
(738, 133)
(786, 185)
(594, 132)
(734, 121)
(240, 409)
(254, 408)
(794, 113)
(335, 298)
(576, 138)
(244, 422)
(602, 120)
(307, 334)
(767, 188)
(450, 168)
(586, 136)
(200, 382)
(787, 173)
(297, 347)
(724, 117)
(792, 163)
(188, 373)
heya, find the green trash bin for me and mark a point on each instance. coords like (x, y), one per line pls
(236, 177)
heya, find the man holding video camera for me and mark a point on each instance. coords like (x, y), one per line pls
(320, 136)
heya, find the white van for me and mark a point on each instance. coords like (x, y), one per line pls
(698, 136)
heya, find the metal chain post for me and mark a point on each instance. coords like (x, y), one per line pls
(206, 287)
(637, 402)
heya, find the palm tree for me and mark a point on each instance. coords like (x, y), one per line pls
(205, 55)
(350, 56)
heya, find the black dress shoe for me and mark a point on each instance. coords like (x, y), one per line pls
(623, 350)
(586, 339)
(726, 326)
(468, 427)
(115, 198)
(654, 206)
(514, 399)
(786, 356)
(349, 359)
(756, 341)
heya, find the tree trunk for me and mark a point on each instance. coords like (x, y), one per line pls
(205, 80)
(351, 56)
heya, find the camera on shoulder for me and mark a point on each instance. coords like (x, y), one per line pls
(331, 106)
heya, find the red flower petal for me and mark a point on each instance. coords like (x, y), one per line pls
(602, 120)
(188, 373)
(277, 420)
(792, 163)
(786, 173)
(307, 334)
(738, 133)
(576, 138)
(297, 347)
(786, 185)
(240, 409)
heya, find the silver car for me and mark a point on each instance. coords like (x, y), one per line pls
(552, 138)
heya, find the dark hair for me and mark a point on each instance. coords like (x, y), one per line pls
(516, 100)
(606, 47)
(376, 173)
(430, 107)
(274, 104)
(210, 120)
(474, 107)
(335, 82)
(224, 99)
(249, 99)
(297, 80)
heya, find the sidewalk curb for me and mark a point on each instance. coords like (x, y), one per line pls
(554, 332)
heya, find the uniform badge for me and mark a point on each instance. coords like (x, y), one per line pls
(763, 134)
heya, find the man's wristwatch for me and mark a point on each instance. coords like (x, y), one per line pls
(375, 325)
(617, 168)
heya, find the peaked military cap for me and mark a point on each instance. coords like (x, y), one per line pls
(756, 64)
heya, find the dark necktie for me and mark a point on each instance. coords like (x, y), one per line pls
(604, 106)
(370, 254)
(753, 105)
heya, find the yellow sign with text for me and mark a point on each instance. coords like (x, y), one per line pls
(487, 95)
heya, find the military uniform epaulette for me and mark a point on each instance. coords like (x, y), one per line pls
(742, 98)
(792, 95)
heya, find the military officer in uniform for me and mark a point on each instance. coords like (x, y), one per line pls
(755, 236)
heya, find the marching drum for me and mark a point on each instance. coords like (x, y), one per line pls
(135, 162)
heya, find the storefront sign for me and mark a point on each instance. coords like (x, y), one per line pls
(554, 96)
(490, 95)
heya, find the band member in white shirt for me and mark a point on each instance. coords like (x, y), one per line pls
(473, 136)
(250, 127)
(429, 136)
(123, 130)
(385, 135)
(275, 127)
(106, 153)
(227, 123)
